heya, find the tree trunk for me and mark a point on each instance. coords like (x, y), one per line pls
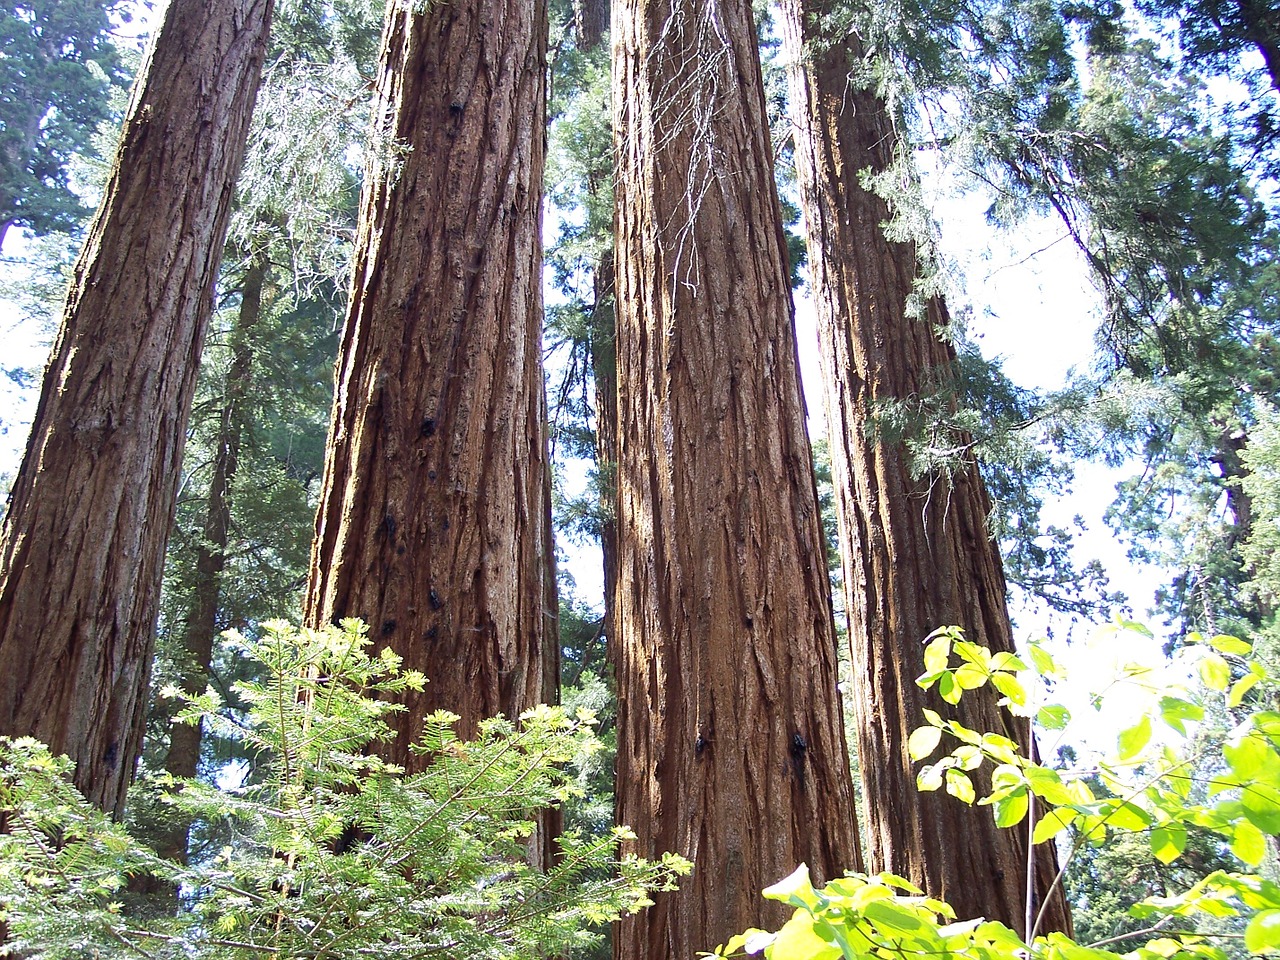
(183, 757)
(434, 521)
(83, 542)
(917, 553)
(590, 22)
(604, 379)
(731, 747)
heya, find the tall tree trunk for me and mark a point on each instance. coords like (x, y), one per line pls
(731, 747)
(604, 379)
(434, 521)
(917, 553)
(183, 757)
(83, 542)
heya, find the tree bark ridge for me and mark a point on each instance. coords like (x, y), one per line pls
(82, 545)
(731, 747)
(917, 551)
(434, 518)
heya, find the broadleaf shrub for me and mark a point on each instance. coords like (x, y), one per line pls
(1163, 781)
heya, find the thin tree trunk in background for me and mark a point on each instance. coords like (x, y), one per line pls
(917, 553)
(731, 746)
(83, 542)
(434, 522)
(604, 377)
(183, 757)
(590, 22)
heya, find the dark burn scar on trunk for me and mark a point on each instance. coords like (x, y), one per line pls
(799, 748)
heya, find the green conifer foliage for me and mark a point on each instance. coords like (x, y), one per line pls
(332, 852)
(55, 78)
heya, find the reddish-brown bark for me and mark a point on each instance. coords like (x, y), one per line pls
(917, 552)
(83, 542)
(731, 747)
(434, 519)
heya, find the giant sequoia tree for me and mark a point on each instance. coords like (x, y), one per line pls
(82, 544)
(917, 551)
(731, 749)
(434, 520)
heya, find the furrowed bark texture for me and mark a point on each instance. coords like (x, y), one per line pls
(917, 554)
(731, 749)
(434, 521)
(83, 542)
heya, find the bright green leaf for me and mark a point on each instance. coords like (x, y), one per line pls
(1262, 935)
(1011, 810)
(1011, 687)
(798, 941)
(1238, 689)
(922, 742)
(1175, 711)
(1262, 806)
(1131, 741)
(1006, 776)
(970, 676)
(1231, 645)
(1215, 672)
(963, 733)
(795, 888)
(1000, 747)
(960, 786)
(1004, 660)
(948, 689)
(1053, 823)
(1053, 717)
(967, 757)
(892, 918)
(936, 654)
(1134, 626)
(1249, 843)
(1127, 816)
(972, 653)
(1168, 841)
(930, 777)
(1046, 784)
(1267, 723)
(1042, 660)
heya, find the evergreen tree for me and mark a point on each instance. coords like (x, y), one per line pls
(83, 541)
(239, 550)
(917, 550)
(332, 852)
(1059, 109)
(434, 519)
(731, 746)
(55, 78)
